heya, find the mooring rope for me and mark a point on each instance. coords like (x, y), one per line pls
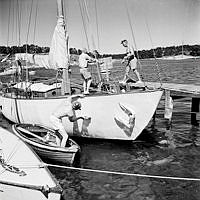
(124, 173)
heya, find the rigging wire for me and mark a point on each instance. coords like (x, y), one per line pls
(132, 32)
(84, 25)
(85, 8)
(66, 29)
(97, 24)
(29, 22)
(154, 54)
(34, 31)
(27, 37)
(13, 17)
(18, 19)
(8, 30)
(133, 37)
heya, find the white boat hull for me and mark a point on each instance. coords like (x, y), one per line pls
(105, 112)
(64, 155)
(22, 185)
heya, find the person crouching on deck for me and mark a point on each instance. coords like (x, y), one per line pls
(65, 109)
(131, 62)
(84, 59)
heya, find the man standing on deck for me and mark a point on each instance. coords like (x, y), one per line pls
(84, 59)
(131, 62)
(65, 109)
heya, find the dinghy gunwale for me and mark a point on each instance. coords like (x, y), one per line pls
(72, 149)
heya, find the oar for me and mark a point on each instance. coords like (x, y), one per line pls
(32, 134)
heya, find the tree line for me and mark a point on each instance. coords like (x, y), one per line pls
(192, 50)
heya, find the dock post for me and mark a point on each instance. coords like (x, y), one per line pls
(168, 108)
(194, 110)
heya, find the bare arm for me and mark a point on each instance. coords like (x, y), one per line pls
(91, 60)
(73, 118)
(75, 97)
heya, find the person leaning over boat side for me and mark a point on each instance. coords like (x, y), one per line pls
(66, 109)
(84, 59)
(131, 62)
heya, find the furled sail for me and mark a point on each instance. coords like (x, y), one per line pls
(58, 55)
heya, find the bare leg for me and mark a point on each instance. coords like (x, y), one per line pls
(64, 140)
(137, 74)
(84, 86)
(58, 126)
(63, 134)
(88, 85)
(126, 73)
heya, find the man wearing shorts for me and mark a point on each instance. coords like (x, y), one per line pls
(131, 62)
(65, 109)
(84, 59)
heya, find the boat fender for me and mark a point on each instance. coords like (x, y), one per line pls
(85, 124)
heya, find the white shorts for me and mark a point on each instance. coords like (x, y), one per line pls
(133, 64)
(85, 73)
(57, 125)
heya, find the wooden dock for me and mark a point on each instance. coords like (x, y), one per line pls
(182, 90)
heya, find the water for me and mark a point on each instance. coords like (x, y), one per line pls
(145, 156)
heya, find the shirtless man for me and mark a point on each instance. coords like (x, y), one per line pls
(65, 109)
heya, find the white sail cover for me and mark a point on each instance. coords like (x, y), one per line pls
(42, 60)
(39, 60)
(25, 56)
(58, 55)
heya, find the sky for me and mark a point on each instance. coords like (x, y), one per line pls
(154, 23)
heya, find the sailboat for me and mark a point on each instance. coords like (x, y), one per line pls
(114, 114)
(23, 175)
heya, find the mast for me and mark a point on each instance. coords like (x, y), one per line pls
(65, 88)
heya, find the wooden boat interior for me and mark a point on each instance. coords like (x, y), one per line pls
(40, 134)
(37, 133)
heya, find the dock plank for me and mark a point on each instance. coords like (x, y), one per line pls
(189, 90)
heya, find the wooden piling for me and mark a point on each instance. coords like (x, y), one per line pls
(194, 111)
(168, 109)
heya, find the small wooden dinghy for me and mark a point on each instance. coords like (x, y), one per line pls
(23, 176)
(43, 141)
